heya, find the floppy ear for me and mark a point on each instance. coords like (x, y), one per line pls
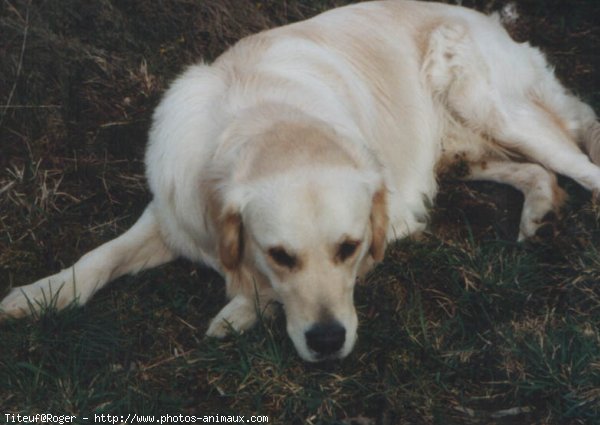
(379, 224)
(231, 239)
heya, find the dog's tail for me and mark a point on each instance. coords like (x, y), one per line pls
(590, 141)
(583, 118)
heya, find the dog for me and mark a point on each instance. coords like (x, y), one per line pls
(291, 162)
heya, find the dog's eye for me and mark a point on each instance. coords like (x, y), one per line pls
(347, 250)
(283, 258)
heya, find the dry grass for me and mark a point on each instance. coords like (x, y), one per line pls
(462, 326)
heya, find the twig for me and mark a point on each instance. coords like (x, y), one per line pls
(166, 360)
(6, 187)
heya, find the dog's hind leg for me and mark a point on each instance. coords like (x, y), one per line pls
(535, 133)
(530, 113)
(141, 247)
(551, 126)
(542, 195)
(538, 130)
(570, 115)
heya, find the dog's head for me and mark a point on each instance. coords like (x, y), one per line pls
(306, 215)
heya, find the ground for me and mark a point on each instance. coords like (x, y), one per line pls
(463, 326)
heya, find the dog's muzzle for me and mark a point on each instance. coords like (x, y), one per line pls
(326, 339)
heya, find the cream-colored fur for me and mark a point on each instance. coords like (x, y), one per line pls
(289, 162)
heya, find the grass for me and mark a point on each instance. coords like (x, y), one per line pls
(463, 326)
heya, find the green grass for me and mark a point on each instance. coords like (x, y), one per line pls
(451, 332)
(462, 326)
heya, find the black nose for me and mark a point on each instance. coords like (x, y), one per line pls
(326, 338)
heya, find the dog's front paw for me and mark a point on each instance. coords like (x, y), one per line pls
(22, 301)
(13, 305)
(54, 291)
(237, 316)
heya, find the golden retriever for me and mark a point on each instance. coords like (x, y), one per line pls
(290, 162)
